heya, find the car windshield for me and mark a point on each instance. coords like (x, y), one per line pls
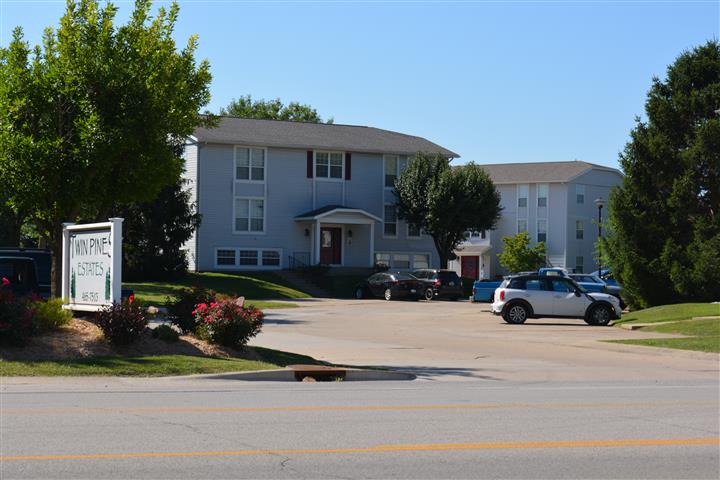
(447, 275)
(579, 287)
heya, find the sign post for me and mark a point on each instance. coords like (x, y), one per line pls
(92, 265)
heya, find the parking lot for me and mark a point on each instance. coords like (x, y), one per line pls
(443, 340)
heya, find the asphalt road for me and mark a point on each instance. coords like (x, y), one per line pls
(212, 428)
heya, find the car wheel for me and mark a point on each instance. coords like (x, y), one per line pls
(600, 316)
(516, 314)
(429, 294)
(359, 293)
(388, 294)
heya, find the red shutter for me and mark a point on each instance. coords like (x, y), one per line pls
(309, 164)
(348, 166)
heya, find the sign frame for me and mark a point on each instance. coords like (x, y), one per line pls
(113, 227)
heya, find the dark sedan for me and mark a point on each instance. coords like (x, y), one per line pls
(440, 283)
(390, 286)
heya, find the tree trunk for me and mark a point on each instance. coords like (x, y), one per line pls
(441, 253)
(55, 245)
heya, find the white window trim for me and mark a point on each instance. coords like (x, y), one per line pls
(250, 180)
(407, 233)
(579, 230)
(397, 169)
(410, 257)
(537, 230)
(527, 197)
(397, 222)
(517, 226)
(328, 178)
(237, 265)
(579, 188)
(249, 232)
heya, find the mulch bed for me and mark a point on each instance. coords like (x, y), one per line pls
(81, 339)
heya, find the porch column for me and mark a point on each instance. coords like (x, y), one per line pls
(316, 240)
(372, 244)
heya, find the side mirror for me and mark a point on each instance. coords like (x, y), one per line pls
(577, 293)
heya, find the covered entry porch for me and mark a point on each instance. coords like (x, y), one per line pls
(340, 236)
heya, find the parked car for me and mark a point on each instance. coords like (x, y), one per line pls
(534, 296)
(390, 286)
(484, 290)
(606, 275)
(593, 283)
(440, 283)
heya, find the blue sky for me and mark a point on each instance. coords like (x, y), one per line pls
(514, 81)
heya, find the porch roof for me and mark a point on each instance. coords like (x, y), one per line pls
(338, 214)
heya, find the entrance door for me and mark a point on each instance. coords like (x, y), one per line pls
(470, 266)
(330, 245)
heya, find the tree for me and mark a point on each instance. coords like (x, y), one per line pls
(93, 117)
(154, 232)
(445, 202)
(518, 256)
(246, 107)
(664, 244)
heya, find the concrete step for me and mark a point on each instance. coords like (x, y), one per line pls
(302, 283)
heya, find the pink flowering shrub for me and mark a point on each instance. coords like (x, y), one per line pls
(181, 308)
(227, 322)
(16, 316)
(121, 323)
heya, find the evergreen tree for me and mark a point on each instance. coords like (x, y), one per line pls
(664, 219)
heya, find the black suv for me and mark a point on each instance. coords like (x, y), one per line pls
(440, 283)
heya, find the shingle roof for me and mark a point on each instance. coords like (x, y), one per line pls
(540, 172)
(352, 138)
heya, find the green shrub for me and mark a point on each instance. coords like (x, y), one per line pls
(228, 322)
(49, 315)
(165, 333)
(16, 324)
(122, 323)
(181, 311)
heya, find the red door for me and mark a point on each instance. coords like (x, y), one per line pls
(330, 246)
(470, 266)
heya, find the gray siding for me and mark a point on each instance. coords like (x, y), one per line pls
(288, 193)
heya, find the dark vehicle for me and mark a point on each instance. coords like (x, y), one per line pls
(27, 270)
(440, 283)
(390, 286)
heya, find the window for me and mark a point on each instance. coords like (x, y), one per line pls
(541, 230)
(413, 231)
(329, 165)
(390, 223)
(421, 261)
(560, 285)
(523, 196)
(579, 267)
(225, 257)
(248, 257)
(533, 284)
(542, 194)
(580, 194)
(401, 260)
(391, 168)
(522, 225)
(249, 215)
(382, 260)
(270, 258)
(250, 164)
(579, 230)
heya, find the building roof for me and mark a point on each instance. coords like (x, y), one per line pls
(329, 210)
(541, 172)
(280, 133)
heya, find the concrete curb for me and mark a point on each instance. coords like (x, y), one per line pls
(287, 375)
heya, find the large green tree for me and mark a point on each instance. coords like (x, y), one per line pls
(665, 217)
(275, 109)
(445, 201)
(94, 116)
(519, 256)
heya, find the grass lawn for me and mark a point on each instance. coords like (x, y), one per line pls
(152, 365)
(668, 313)
(701, 335)
(256, 285)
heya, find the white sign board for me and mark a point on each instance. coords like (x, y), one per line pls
(92, 265)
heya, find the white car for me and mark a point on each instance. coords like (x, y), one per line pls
(533, 296)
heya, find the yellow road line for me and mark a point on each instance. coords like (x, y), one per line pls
(345, 408)
(429, 447)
